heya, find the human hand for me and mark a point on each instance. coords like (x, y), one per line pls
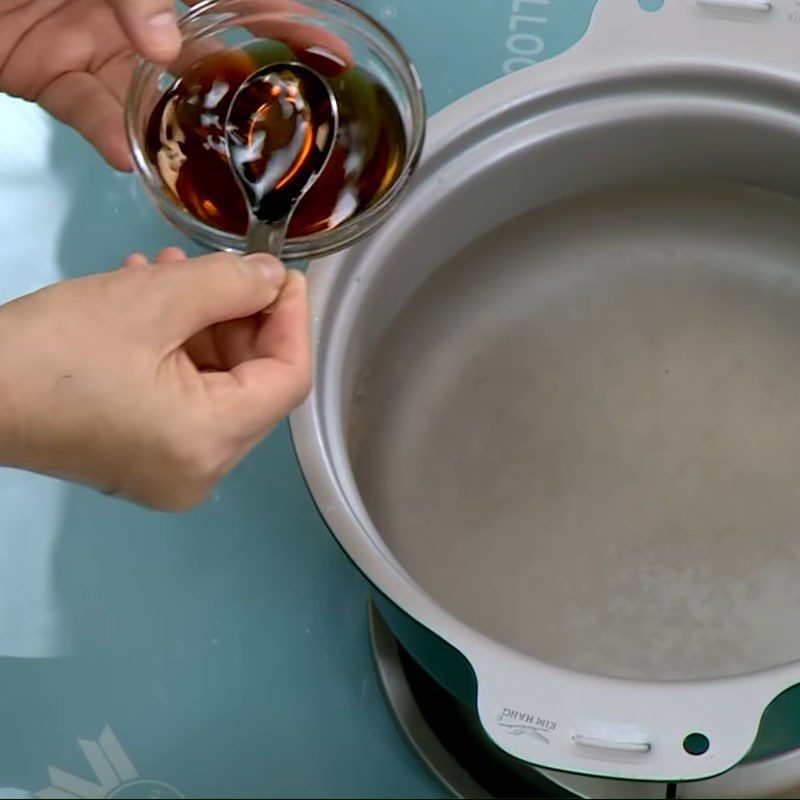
(155, 380)
(75, 57)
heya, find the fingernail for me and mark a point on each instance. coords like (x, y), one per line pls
(274, 271)
(163, 34)
(163, 20)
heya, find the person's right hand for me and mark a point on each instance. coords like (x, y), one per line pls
(75, 57)
(153, 381)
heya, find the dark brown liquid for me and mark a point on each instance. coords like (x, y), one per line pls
(186, 141)
(281, 130)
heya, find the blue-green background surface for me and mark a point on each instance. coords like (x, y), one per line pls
(227, 648)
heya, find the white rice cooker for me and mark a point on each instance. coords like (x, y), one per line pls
(556, 411)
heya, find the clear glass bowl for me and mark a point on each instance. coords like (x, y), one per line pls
(233, 23)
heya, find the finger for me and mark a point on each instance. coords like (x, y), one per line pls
(151, 26)
(225, 345)
(194, 51)
(236, 340)
(170, 255)
(135, 260)
(198, 293)
(260, 392)
(285, 21)
(116, 74)
(307, 39)
(202, 350)
(82, 101)
(280, 334)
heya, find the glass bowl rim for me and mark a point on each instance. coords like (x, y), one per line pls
(314, 245)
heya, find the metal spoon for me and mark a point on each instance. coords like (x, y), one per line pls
(280, 131)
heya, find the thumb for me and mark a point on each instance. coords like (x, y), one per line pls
(200, 292)
(151, 27)
(260, 391)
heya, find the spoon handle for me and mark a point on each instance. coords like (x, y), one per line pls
(267, 237)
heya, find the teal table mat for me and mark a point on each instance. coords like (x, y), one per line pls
(222, 653)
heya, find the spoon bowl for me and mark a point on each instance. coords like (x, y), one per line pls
(280, 131)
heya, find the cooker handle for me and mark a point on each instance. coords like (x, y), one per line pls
(763, 32)
(684, 730)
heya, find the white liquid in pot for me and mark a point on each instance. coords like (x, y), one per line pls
(582, 437)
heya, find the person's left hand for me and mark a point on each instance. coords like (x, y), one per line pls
(75, 57)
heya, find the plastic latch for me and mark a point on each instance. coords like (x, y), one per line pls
(738, 5)
(612, 738)
(608, 744)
